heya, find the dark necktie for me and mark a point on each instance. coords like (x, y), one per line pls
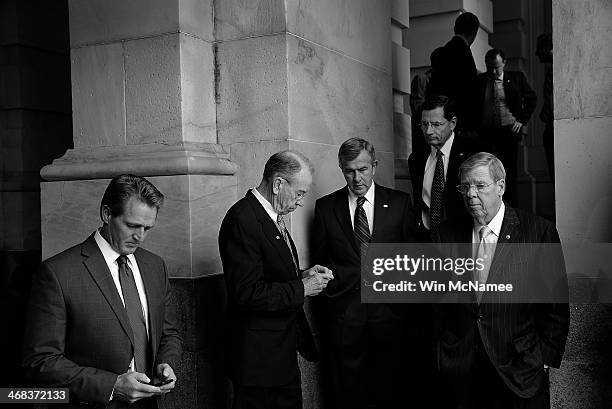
(283, 229)
(437, 193)
(360, 222)
(133, 308)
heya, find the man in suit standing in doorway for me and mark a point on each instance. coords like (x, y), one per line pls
(100, 321)
(506, 103)
(495, 348)
(266, 288)
(454, 72)
(367, 344)
(434, 170)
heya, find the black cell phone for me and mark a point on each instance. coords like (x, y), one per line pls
(162, 383)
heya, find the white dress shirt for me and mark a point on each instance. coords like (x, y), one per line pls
(110, 256)
(430, 169)
(495, 225)
(266, 205)
(368, 206)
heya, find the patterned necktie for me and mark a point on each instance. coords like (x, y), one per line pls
(280, 221)
(437, 193)
(360, 222)
(133, 308)
(485, 252)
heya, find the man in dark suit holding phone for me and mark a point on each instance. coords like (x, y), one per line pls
(100, 319)
(266, 288)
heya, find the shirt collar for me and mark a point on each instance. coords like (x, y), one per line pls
(369, 196)
(110, 255)
(495, 224)
(446, 148)
(266, 205)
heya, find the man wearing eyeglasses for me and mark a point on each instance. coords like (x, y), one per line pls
(434, 170)
(266, 288)
(367, 344)
(495, 348)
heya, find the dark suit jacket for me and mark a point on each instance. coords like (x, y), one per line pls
(334, 244)
(520, 97)
(452, 200)
(519, 338)
(78, 334)
(454, 75)
(265, 298)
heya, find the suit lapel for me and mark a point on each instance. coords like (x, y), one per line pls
(96, 265)
(153, 293)
(271, 231)
(381, 211)
(508, 234)
(341, 210)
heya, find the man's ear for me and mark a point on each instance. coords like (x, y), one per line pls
(105, 214)
(502, 187)
(276, 183)
(374, 165)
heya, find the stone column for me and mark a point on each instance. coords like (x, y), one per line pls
(196, 95)
(306, 76)
(143, 99)
(583, 148)
(402, 115)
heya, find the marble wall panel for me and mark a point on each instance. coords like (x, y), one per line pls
(333, 98)
(241, 19)
(582, 162)
(426, 33)
(582, 73)
(251, 158)
(252, 90)
(102, 21)
(401, 68)
(196, 18)
(198, 109)
(400, 12)
(98, 95)
(481, 8)
(396, 33)
(153, 90)
(358, 28)
(209, 198)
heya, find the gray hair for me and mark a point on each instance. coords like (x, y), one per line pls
(495, 166)
(286, 164)
(351, 148)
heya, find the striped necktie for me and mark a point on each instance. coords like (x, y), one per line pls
(280, 221)
(360, 222)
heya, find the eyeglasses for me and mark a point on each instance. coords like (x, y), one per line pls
(435, 125)
(480, 187)
(298, 195)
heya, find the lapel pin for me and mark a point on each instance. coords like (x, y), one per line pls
(507, 237)
(385, 205)
(277, 238)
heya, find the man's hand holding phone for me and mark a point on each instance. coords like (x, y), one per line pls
(166, 379)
